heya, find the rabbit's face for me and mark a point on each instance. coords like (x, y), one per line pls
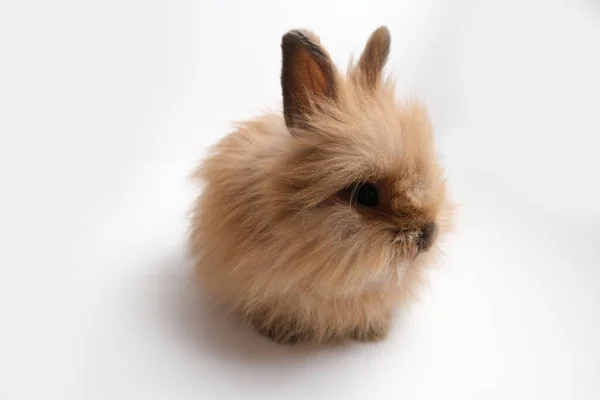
(361, 171)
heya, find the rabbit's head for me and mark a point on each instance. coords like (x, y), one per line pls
(361, 174)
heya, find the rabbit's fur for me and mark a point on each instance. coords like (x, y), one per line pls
(278, 234)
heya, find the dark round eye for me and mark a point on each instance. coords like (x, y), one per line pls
(367, 195)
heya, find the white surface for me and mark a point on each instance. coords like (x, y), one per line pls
(106, 106)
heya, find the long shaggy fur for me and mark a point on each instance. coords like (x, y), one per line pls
(275, 238)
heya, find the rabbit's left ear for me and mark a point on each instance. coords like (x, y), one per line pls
(373, 59)
(307, 75)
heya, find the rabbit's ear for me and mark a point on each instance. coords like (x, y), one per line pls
(373, 58)
(307, 75)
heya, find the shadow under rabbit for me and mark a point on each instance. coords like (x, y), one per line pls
(205, 330)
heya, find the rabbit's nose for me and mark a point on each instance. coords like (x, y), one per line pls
(426, 236)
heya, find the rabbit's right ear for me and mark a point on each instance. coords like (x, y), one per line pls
(373, 59)
(307, 75)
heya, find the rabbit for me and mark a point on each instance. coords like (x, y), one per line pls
(315, 224)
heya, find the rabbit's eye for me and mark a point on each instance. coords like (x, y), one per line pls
(367, 195)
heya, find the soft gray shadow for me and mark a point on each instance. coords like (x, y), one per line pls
(195, 323)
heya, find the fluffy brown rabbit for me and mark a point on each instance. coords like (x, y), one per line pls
(316, 224)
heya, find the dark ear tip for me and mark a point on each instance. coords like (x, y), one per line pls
(296, 36)
(291, 36)
(306, 39)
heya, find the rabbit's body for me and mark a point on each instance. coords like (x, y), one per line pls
(278, 231)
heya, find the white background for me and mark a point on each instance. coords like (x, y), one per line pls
(106, 106)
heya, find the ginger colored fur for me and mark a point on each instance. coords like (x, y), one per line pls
(277, 233)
